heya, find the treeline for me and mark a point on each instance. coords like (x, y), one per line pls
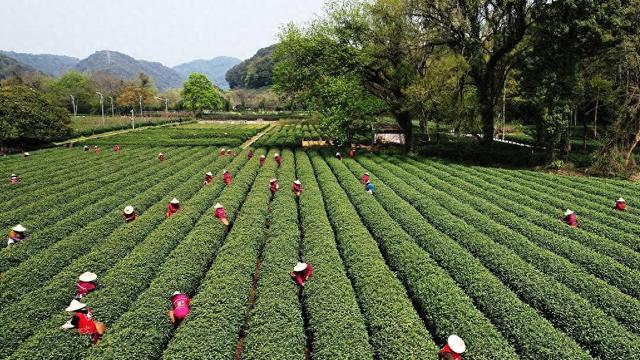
(473, 66)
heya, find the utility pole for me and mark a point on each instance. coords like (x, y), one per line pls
(101, 106)
(74, 106)
(140, 99)
(133, 119)
(111, 100)
(166, 105)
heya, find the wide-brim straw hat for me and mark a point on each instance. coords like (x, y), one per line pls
(161, 154)
(297, 182)
(13, 175)
(338, 153)
(273, 180)
(456, 344)
(568, 212)
(277, 154)
(19, 228)
(300, 267)
(87, 277)
(175, 293)
(26, 153)
(620, 200)
(209, 173)
(175, 201)
(128, 210)
(225, 171)
(366, 173)
(75, 305)
(218, 206)
(262, 156)
(223, 150)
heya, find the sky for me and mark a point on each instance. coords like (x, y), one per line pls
(171, 32)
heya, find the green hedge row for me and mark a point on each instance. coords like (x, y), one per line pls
(395, 329)
(601, 265)
(444, 306)
(39, 268)
(41, 210)
(589, 326)
(335, 323)
(40, 304)
(141, 333)
(515, 233)
(276, 328)
(532, 336)
(596, 222)
(219, 308)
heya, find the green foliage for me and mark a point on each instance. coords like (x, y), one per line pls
(198, 94)
(26, 116)
(253, 73)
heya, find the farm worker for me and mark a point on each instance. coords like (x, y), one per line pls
(16, 235)
(620, 204)
(221, 214)
(570, 218)
(83, 320)
(250, 154)
(208, 178)
(180, 303)
(116, 148)
(223, 151)
(365, 178)
(173, 207)
(278, 158)
(162, 157)
(85, 148)
(371, 189)
(87, 282)
(230, 152)
(96, 149)
(129, 214)
(14, 179)
(261, 160)
(301, 273)
(227, 177)
(338, 155)
(26, 154)
(297, 188)
(352, 153)
(453, 349)
(273, 185)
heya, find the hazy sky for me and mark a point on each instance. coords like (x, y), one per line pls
(168, 31)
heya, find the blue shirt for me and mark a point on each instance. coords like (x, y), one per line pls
(371, 187)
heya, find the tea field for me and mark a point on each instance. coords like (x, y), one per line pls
(440, 249)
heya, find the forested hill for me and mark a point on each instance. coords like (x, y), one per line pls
(215, 69)
(119, 64)
(10, 67)
(254, 72)
(54, 65)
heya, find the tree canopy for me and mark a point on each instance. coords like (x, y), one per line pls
(199, 94)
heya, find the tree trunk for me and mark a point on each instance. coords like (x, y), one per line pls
(488, 126)
(404, 120)
(584, 135)
(595, 119)
(629, 161)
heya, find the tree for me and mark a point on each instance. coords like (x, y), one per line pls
(132, 92)
(27, 116)
(198, 94)
(77, 84)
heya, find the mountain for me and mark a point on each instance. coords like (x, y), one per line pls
(11, 67)
(215, 69)
(254, 72)
(54, 65)
(119, 64)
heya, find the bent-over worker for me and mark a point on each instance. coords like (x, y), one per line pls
(16, 235)
(221, 214)
(173, 207)
(352, 153)
(87, 282)
(85, 148)
(371, 189)
(301, 273)
(14, 179)
(180, 303)
(621, 205)
(261, 160)
(96, 149)
(453, 349)
(297, 188)
(278, 159)
(273, 185)
(226, 175)
(570, 218)
(250, 154)
(338, 155)
(116, 148)
(208, 178)
(365, 178)
(223, 151)
(83, 320)
(129, 214)
(162, 157)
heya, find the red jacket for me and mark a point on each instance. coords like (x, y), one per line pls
(222, 152)
(296, 188)
(83, 288)
(620, 206)
(364, 178)
(571, 220)
(162, 157)
(352, 153)
(250, 154)
(274, 187)
(220, 213)
(208, 179)
(116, 148)
(180, 303)
(96, 150)
(130, 218)
(227, 178)
(261, 161)
(278, 160)
(86, 324)
(172, 209)
(447, 350)
(15, 179)
(302, 276)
